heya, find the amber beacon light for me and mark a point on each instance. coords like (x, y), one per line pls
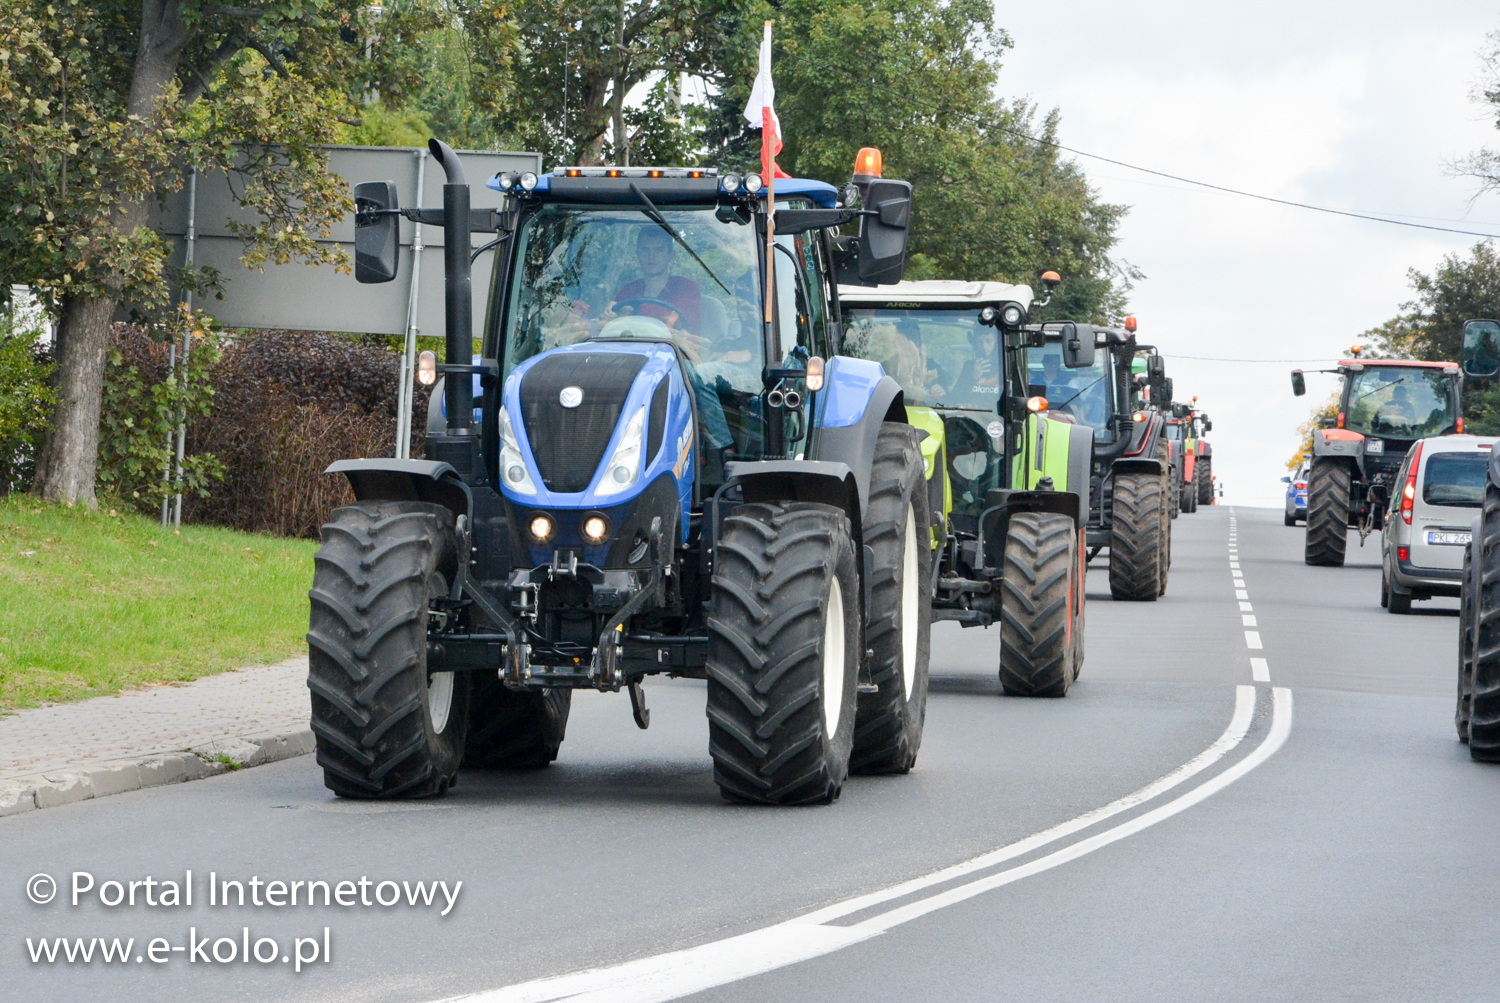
(867, 164)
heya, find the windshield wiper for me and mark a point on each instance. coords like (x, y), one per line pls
(1377, 390)
(1077, 395)
(661, 221)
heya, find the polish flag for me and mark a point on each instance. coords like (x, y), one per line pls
(761, 113)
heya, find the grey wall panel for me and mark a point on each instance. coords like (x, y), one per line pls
(300, 297)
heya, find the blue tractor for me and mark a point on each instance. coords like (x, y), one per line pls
(659, 463)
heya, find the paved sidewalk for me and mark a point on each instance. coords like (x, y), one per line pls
(67, 752)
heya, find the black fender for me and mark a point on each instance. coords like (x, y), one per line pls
(1080, 461)
(390, 479)
(854, 445)
(1137, 465)
(1494, 473)
(1000, 505)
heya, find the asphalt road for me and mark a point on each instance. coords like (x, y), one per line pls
(1319, 835)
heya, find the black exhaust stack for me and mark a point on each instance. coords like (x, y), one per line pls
(458, 290)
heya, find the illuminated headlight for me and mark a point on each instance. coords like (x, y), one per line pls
(754, 183)
(624, 468)
(1011, 315)
(427, 369)
(542, 528)
(528, 181)
(595, 529)
(730, 183)
(512, 465)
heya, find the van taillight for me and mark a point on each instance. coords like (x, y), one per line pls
(1409, 493)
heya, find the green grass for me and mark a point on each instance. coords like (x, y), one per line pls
(93, 602)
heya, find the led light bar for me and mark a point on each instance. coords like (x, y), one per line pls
(635, 172)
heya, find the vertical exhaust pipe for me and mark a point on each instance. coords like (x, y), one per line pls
(458, 291)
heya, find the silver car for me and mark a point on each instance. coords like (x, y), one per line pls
(1427, 526)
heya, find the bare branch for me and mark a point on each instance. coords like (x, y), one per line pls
(202, 75)
(271, 57)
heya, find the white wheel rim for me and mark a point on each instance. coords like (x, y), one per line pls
(833, 658)
(909, 600)
(439, 699)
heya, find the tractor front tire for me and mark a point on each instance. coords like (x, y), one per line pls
(514, 730)
(1040, 593)
(1203, 475)
(385, 728)
(1484, 701)
(783, 653)
(1137, 546)
(1328, 492)
(1174, 498)
(888, 722)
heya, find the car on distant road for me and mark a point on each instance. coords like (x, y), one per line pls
(1438, 491)
(1296, 495)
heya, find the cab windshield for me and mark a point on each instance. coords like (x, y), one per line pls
(1082, 393)
(941, 358)
(1403, 402)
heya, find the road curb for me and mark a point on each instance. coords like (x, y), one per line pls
(97, 780)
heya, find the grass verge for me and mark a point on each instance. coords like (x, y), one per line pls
(96, 602)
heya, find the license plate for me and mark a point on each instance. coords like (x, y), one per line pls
(1445, 538)
(1374, 446)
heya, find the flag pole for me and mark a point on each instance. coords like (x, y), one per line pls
(768, 162)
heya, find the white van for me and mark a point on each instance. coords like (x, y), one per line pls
(1434, 499)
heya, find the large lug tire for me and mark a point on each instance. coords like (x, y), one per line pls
(511, 730)
(385, 728)
(1328, 486)
(1137, 542)
(1174, 497)
(783, 653)
(1080, 602)
(1039, 593)
(888, 722)
(1484, 704)
(1465, 651)
(1203, 474)
(1163, 455)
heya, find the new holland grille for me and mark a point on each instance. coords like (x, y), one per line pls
(569, 442)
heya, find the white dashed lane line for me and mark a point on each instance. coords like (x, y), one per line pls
(1259, 670)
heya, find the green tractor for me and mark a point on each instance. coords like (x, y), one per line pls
(1007, 479)
(1120, 396)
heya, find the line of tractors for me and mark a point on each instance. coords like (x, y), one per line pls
(711, 433)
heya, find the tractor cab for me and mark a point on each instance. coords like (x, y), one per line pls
(1384, 407)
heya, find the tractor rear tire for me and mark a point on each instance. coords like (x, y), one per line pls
(1040, 594)
(385, 728)
(1484, 702)
(1174, 498)
(514, 730)
(888, 722)
(1203, 476)
(1465, 651)
(1164, 455)
(1136, 544)
(1328, 487)
(783, 653)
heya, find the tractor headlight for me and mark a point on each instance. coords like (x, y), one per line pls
(624, 468)
(542, 528)
(512, 464)
(754, 183)
(507, 181)
(527, 181)
(729, 183)
(595, 529)
(1011, 315)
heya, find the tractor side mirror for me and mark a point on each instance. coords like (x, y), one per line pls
(883, 233)
(1481, 347)
(1156, 368)
(377, 237)
(1208, 426)
(1299, 383)
(1161, 393)
(1078, 346)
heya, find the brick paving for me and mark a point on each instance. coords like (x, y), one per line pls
(202, 715)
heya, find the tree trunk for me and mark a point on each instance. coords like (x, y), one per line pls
(65, 469)
(70, 455)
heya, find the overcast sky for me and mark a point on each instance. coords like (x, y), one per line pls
(1352, 105)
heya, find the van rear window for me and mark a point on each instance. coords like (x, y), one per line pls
(1455, 479)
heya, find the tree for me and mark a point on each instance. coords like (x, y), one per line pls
(104, 103)
(1321, 414)
(916, 78)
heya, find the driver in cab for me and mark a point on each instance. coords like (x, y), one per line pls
(672, 299)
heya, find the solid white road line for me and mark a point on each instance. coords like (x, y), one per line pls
(1259, 670)
(680, 973)
(1281, 726)
(1252, 639)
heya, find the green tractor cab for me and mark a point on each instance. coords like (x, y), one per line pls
(1007, 479)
